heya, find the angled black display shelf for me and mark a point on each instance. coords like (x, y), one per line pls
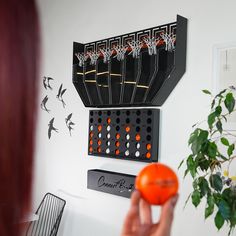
(135, 69)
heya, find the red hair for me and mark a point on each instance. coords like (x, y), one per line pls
(19, 43)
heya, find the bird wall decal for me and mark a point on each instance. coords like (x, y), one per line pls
(51, 128)
(43, 104)
(46, 82)
(60, 94)
(69, 123)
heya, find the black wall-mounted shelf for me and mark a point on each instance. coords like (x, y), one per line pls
(111, 182)
(135, 69)
(124, 134)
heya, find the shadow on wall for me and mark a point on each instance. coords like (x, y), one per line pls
(79, 224)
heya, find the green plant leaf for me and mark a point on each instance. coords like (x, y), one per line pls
(196, 198)
(220, 93)
(224, 209)
(210, 206)
(193, 136)
(224, 141)
(206, 91)
(202, 162)
(213, 103)
(211, 149)
(219, 126)
(181, 163)
(216, 182)
(219, 220)
(230, 150)
(186, 172)
(191, 166)
(203, 186)
(211, 119)
(218, 110)
(229, 102)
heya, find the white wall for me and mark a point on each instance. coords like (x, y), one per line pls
(62, 162)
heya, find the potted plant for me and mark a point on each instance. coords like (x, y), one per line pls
(211, 155)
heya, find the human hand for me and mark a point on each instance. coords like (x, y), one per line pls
(138, 221)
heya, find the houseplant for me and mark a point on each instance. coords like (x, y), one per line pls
(211, 155)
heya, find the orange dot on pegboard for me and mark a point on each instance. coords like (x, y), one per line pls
(99, 142)
(117, 136)
(108, 120)
(91, 134)
(127, 129)
(117, 143)
(99, 149)
(90, 142)
(117, 152)
(99, 128)
(137, 137)
(148, 155)
(90, 149)
(149, 146)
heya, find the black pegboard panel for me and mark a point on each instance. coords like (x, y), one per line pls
(125, 134)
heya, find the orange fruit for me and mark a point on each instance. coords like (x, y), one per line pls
(157, 183)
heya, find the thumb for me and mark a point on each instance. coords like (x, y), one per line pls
(167, 214)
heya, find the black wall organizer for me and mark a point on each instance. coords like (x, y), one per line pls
(124, 134)
(111, 182)
(136, 69)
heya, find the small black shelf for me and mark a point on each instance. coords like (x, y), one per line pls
(135, 69)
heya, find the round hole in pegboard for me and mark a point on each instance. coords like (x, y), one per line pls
(149, 129)
(118, 113)
(91, 120)
(108, 128)
(108, 150)
(127, 144)
(99, 120)
(127, 112)
(138, 129)
(108, 135)
(108, 143)
(127, 136)
(138, 112)
(117, 120)
(100, 113)
(148, 137)
(127, 120)
(108, 113)
(91, 127)
(149, 120)
(138, 120)
(91, 113)
(117, 128)
(149, 112)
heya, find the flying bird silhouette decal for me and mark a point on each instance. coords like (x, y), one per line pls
(43, 104)
(69, 123)
(60, 94)
(51, 128)
(46, 82)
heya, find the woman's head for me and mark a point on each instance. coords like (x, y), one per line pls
(19, 44)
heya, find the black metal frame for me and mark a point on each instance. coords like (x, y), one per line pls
(50, 213)
(99, 89)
